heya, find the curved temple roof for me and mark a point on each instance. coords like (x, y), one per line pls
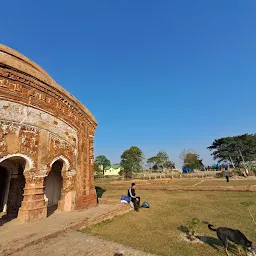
(14, 59)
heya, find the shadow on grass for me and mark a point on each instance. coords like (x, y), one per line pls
(217, 245)
(183, 229)
(214, 242)
(99, 191)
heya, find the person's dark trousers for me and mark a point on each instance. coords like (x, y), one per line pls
(227, 178)
(136, 203)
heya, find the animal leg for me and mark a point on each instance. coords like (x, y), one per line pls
(224, 241)
(246, 251)
(239, 250)
(226, 250)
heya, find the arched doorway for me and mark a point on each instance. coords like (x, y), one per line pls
(3, 185)
(53, 185)
(12, 183)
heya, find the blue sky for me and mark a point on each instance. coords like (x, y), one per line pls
(160, 75)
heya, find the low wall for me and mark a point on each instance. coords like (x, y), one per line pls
(109, 201)
(117, 210)
(157, 176)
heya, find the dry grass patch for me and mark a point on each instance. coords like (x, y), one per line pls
(189, 182)
(157, 230)
(232, 182)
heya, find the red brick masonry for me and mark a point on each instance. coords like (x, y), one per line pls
(40, 123)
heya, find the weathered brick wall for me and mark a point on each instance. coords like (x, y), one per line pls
(37, 134)
(41, 120)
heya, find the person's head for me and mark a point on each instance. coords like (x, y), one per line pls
(133, 185)
(249, 244)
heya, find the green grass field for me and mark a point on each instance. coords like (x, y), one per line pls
(156, 230)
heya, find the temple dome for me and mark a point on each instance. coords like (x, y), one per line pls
(14, 60)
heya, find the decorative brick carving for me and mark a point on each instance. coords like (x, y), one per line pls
(41, 122)
(29, 140)
(91, 149)
(33, 92)
(3, 146)
(59, 147)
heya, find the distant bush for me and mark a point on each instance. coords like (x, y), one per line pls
(98, 175)
(251, 173)
(237, 172)
(220, 175)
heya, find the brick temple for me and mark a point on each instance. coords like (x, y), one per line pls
(46, 142)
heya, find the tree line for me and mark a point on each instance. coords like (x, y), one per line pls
(133, 160)
(235, 151)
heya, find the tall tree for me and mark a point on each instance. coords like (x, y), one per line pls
(161, 160)
(97, 168)
(103, 161)
(191, 159)
(131, 160)
(169, 165)
(152, 162)
(234, 149)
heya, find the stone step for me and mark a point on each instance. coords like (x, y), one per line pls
(74, 243)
